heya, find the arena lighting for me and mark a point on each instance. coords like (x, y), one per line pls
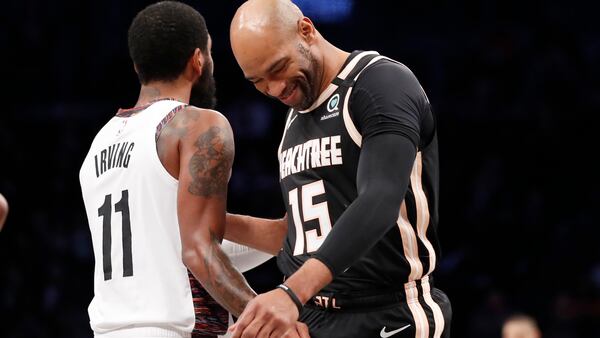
(326, 11)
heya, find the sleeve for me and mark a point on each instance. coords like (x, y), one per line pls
(387, 98)
(384, 167)
(387, 106)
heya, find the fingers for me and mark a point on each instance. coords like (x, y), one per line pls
(291, 333)
(243, 321)
(302, 330)
(253, 330)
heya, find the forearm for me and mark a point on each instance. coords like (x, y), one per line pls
(309, 279)
(259, 233)
(211, 266)
(382, 180)
(361, 226)
(333, 258)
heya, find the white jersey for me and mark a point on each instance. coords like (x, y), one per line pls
(141, 286)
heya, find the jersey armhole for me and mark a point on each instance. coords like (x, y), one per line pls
(348, 122)
(157, 132)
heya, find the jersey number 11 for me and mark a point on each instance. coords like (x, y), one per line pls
(105, 211)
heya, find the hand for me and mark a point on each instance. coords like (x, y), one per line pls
(302, 330)
(271, 314)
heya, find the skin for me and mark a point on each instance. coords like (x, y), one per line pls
(520, 328)
(262, 234)
(196, 147)
(286, 58)
(3, 211)
(279, 50)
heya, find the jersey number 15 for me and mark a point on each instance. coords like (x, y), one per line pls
(310, 212)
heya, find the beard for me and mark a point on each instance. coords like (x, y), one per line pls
(309, 84)
(203, 93)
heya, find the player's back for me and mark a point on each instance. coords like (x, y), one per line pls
(141, 285)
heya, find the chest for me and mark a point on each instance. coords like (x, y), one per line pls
(318, 142)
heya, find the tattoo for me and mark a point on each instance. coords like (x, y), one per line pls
(224, 282)
(175, 130)
(211, 163)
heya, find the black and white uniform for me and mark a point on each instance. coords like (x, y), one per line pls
(359, 176)
(141, 286)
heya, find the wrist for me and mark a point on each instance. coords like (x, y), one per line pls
(292, 296)
(309, 279)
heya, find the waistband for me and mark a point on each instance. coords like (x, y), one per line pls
(144, 331)
(331, 301)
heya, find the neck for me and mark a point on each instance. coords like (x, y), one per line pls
(161, 90)
(333, 59)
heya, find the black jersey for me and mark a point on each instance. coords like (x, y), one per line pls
(319, 155)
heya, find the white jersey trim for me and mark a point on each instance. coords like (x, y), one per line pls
(333, 87)
(162, 171)
(350, 126)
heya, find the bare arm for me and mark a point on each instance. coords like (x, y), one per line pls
(259, 233)
(3, 210)
(206, 152)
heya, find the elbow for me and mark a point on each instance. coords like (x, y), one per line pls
(192, 256)
(385, 203)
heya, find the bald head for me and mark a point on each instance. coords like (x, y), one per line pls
(266, 17)
(281, 53)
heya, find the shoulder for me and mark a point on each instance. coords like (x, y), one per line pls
(195, 117)
(192, 121)
(385, 72)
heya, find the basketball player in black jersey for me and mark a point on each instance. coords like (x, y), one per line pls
(359, 176)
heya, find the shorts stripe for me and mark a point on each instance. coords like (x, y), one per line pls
(438, 317)
(419, 316)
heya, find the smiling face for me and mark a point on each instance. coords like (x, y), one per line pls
(284, 69)
(276, 49)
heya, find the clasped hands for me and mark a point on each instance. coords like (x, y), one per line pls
(270, 315)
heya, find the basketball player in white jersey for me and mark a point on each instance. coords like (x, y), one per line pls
(154, 185)
(3, 211)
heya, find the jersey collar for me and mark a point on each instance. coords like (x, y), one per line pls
(127, 112)
(351, 62)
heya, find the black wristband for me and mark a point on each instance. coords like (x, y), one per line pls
(292, 296)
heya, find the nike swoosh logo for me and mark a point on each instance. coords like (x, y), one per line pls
(384, 334)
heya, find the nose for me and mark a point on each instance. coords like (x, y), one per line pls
(275, 88)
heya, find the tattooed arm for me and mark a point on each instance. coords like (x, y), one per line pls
(203, 142)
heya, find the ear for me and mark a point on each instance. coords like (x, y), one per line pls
(196, 61)
(307, 30)
(135, 68)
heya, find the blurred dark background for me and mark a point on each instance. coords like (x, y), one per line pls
(515, 85)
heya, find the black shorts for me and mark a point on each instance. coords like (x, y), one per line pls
(419, 311)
